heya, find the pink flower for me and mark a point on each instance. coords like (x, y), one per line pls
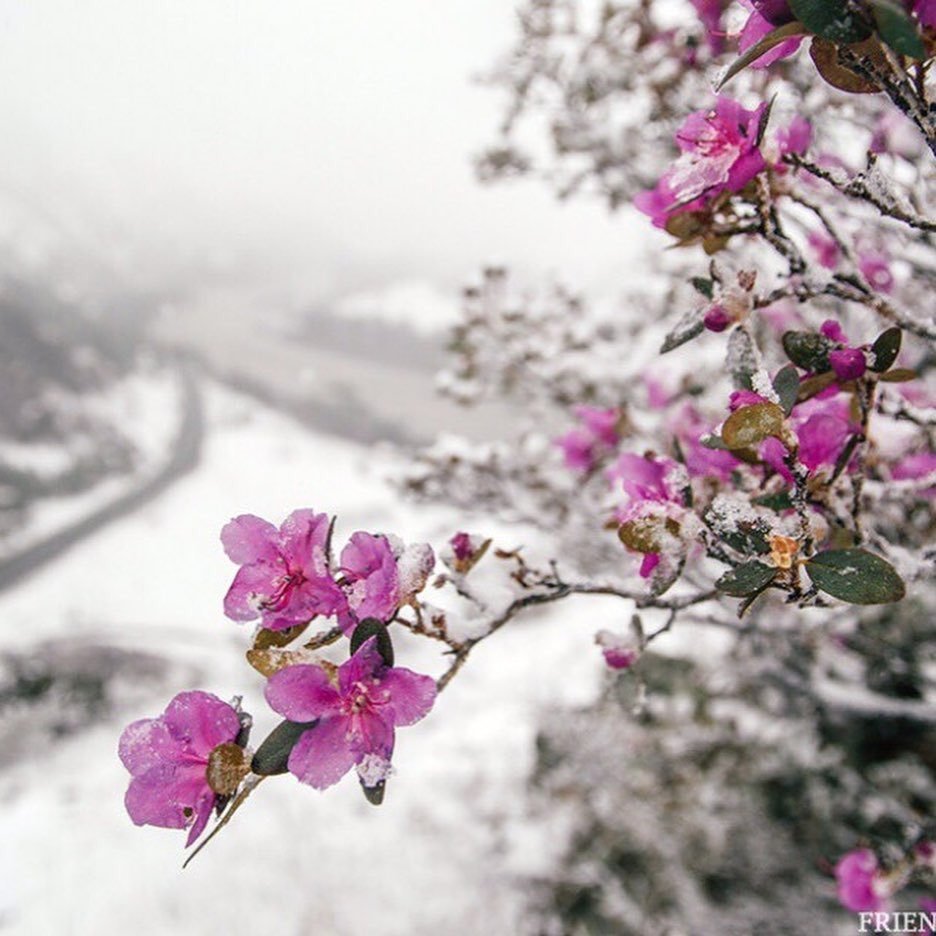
(357, 710)
(916, 467)
(825, 249)
(461, 546)
(596, 436)
(822, 427)
(875, 268)
(896, 134)
(795, 138)
(701, 461)
(848, 363)
(719, 153)
(380, 574)
(925, 11)
(765, 16)
(619, 651)
(284, 577)
(653, 487)
(856, 876)
(168, 760)
(710, 14)
(717, 318)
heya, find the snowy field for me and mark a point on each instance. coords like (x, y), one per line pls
(452, 850)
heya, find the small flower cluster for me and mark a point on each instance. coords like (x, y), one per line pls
(193, 758)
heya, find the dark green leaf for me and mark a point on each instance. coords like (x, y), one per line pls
(749, 537)
(779, 502)
(856, 576)
(750, 425)
(885, 349)
(773, 38)
(898, 29)
(747, 579)
(688, 327)
(704, 286)
(808, 350)
(830, 19)
(374, 794)
(786, 386)
(373, 627)
(272, 756)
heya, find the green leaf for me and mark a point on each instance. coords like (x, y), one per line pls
(786, 386)
(749, 537)
(830, 19)
(780, 501)
(885, 349)
(374, 794)
(773, 38)
(272, 756)
(808, 350)
(750, 425)
(373, 627)
(688, 327)
(856, 576)
(898, 29)
(747, 579)
(703, 285)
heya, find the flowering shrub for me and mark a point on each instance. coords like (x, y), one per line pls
(774, 481)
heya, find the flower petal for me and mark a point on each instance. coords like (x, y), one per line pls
(302, 693)
(146, 743)
(360, 667)
(323, 755)
(304, 539)
(411, 695)
(247, 539)
(251, 584)
(201, 721)
(166, 795)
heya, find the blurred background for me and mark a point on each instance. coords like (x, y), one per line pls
(232, 237)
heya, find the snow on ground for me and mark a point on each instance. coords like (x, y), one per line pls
(452, 848)
(143, 406)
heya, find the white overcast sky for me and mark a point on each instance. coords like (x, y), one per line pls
(325, 142)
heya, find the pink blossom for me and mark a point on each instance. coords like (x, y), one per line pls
(168, 760)
(875, 268)
(356, 709)
(653, 487)
(848, 363)
(379, 575)
(795, 138)
(916, 467)
(619, 651)
(710, 14)
(765, 16)
(461, 546)
(701, 461)
(822, 425)
(925, 11)
(719, 153)
(896, 134)
(856, 874)
(825, 248)
(596, 436)
(717, 318)
(742, 398)
(284, 577)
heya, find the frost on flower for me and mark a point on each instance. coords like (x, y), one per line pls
(618, 650)
(357, 707)
(168, 758)
(379, 574)
(284, 577)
